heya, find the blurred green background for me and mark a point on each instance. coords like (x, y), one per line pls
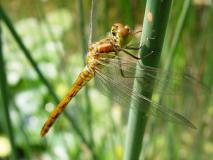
(94, 127)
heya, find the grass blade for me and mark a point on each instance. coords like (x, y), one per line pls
(5, 98)
(84, 46)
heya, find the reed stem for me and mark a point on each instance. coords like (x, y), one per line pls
(154, 27)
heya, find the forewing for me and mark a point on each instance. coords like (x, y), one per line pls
(105, 84)
(175, 83)
(120, 88)
(111, 82)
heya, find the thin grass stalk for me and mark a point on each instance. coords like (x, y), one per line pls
(86, 91)
(42, 16)
(82, 25)
(114, 129)
(178, 31)
(106, 16)
(172, 148)
(41, 76)
(126, 9)
(177, 34)
(154, 27)
(5, 98)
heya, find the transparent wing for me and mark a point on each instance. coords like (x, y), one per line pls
(124, 93)
(105, 85)
(118, 85)
(176, 82)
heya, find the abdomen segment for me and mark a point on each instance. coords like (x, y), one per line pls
(82, 79)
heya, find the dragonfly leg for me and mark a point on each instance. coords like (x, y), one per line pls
(120, 66)
(137, 48)
(147, 55)
(122, 72)
(135, 57)
(128, 53)
(134, 48)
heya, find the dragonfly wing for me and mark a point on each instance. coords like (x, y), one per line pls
(176, 82)
(107, 88)
(111, 81)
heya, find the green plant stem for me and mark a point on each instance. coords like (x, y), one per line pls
(43, 18)
(86, 91)
(41, 76)
(171, 52)
(128, 14)
(5, 99)
(177, 34)
(172, 148)
(81, 25)
(154, 27)
(106, 16)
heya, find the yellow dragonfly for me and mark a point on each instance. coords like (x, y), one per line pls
(113, 66)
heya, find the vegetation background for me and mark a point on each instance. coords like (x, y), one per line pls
(55, 34)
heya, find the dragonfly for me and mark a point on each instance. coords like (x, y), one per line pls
(113, 66)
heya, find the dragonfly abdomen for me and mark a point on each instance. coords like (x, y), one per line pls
(82, 79)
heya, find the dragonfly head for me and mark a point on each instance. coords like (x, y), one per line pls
(121, 33)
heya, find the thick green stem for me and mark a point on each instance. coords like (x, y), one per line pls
(154, 27)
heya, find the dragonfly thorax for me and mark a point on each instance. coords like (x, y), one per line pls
(107, 48)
